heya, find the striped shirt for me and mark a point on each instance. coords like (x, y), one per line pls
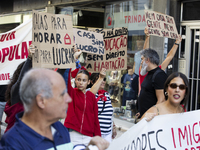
(105, 116)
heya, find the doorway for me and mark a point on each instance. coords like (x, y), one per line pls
(189, 61)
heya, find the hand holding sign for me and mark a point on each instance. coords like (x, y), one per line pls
(102, 74)
(31, 50)
(149, 116)
(146, 31)
(179, 39)
(77, 53)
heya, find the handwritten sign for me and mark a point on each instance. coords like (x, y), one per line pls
(160, 24)
(14, 49)
(89, 42)
(164, 132)
(53, 37)
(115, 45)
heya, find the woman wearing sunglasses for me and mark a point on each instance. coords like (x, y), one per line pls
(176, 90)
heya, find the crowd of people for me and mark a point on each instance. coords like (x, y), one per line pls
(36, 99)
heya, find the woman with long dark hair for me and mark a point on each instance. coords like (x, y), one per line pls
(176, 90)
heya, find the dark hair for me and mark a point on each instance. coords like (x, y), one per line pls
(84, 72)
(93, 78)
(13, 80)
(185, 80)
(151, 54)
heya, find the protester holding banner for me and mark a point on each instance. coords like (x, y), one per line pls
(105, 109)
(82, 115)
(176, 90)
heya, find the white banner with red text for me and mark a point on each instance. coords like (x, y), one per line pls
(164, 132)
(14, 49)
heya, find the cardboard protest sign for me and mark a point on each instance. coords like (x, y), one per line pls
(89, 42)
(164, 132)
(53, 38)
(160, 24)
(14, 49)
(115, 46)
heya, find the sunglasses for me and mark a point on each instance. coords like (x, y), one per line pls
(174, 86)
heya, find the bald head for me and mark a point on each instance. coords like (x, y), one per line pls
(37, 81)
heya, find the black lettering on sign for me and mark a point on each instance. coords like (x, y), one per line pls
(45, 56)
(40, 21)
(39, 37)
(89, 66)
(63, 56)
(58, 23)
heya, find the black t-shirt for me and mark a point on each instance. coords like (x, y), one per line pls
(2, 92)
(147, 97)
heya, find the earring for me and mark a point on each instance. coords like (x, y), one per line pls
(166, 94)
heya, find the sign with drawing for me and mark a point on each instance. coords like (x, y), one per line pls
(52, 35)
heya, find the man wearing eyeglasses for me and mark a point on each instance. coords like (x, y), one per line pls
(152, 88)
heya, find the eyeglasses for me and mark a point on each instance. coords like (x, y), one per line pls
(174, 86)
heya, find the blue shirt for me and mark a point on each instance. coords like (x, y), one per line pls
(22, 137)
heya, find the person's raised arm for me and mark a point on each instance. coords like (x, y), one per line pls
(171, 53)
(146, 42)
(15, 98)
(94, 89)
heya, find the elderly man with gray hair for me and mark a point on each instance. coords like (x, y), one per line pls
(152, 87)
(45, 99)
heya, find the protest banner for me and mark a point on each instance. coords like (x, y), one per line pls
(53, 38)
(115, 46)
(160, 24)
(14, 49)
(163, 132)
(89, 42)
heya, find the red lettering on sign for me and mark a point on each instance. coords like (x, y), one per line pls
(5, 52)
(125, 18)
(12, 52)
(5, 76)
(24, 50)
(3, 37)
(7, 37)
(114, 65)
(134, 19)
